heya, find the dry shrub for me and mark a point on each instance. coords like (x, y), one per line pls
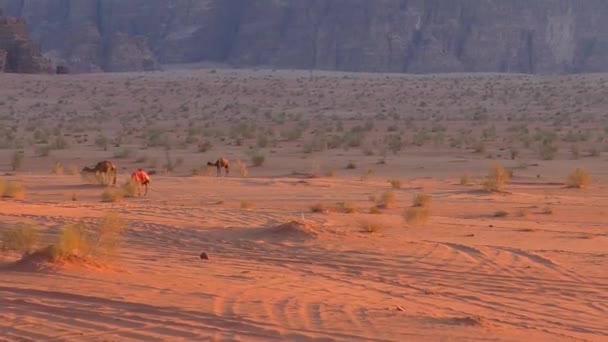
(579, 178)
(129, 188)
(14, 190)
(79, 240)
(112, 195)
(247, 204)
(73, 170)
(241, 168)
(375, 211)
(422, 200)
(501, 213)
(257, 158)
(466, 179)
(387, 200)
(395, 183)
(348, 208)
(523, 212)
(21, 238)
(547, 211)
(497, 178)
(57, 169)
(372, 223)
(318, 208)
(417, 216)
(72, 241)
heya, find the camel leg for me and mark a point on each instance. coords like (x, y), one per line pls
(146, 193)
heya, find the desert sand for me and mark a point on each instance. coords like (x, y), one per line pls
(294, 253)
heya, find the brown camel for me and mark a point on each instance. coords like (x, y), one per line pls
(219, 164)
(103, 167)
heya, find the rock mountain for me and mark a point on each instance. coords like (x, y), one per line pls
(416, 36)
(17, 52)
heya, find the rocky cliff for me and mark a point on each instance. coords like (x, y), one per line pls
(17, 52)
(529, 36)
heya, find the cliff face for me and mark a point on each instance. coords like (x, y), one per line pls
(17, 52)
(529, 36)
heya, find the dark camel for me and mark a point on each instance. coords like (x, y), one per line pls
(219, 164)
(103, 167)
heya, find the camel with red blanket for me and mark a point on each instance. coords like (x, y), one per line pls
(142, 178)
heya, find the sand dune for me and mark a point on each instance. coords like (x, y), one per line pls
(289, 274)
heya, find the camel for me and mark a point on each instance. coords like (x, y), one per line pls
(219, 164)
(103, 167)
(142, 178)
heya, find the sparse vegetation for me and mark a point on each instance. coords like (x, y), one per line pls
(112, 195)
(395, 183)
(318, 208)
(21, 238)
(422, 200)
(246, 204)
(241, 168)
(17, 160)
(387, 200)
(12, 189)
(257, 158)
(501, 213)
(579, 178)
(466, 179)
(417, 216)
(371, 223)
(348, 208)
(497, 178)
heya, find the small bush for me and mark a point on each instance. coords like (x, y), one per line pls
(72, 241)
(257, 158)
(57, 169)
(318, 208)
(497, 178)
(129, 188)
(371, 224)
(21, 238)
(375, 211)
(500, 213)
(17, 160)
(417, 216)
(348, 208)
(395, 183)
(13, 190)
(422, 200)
(466, 179)
(247, 205)
(351, 166)
(241, 168)
(112, 195)
(387, 200)
(79, 240)
(547, 211)
(73, 170)
(579, 178)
